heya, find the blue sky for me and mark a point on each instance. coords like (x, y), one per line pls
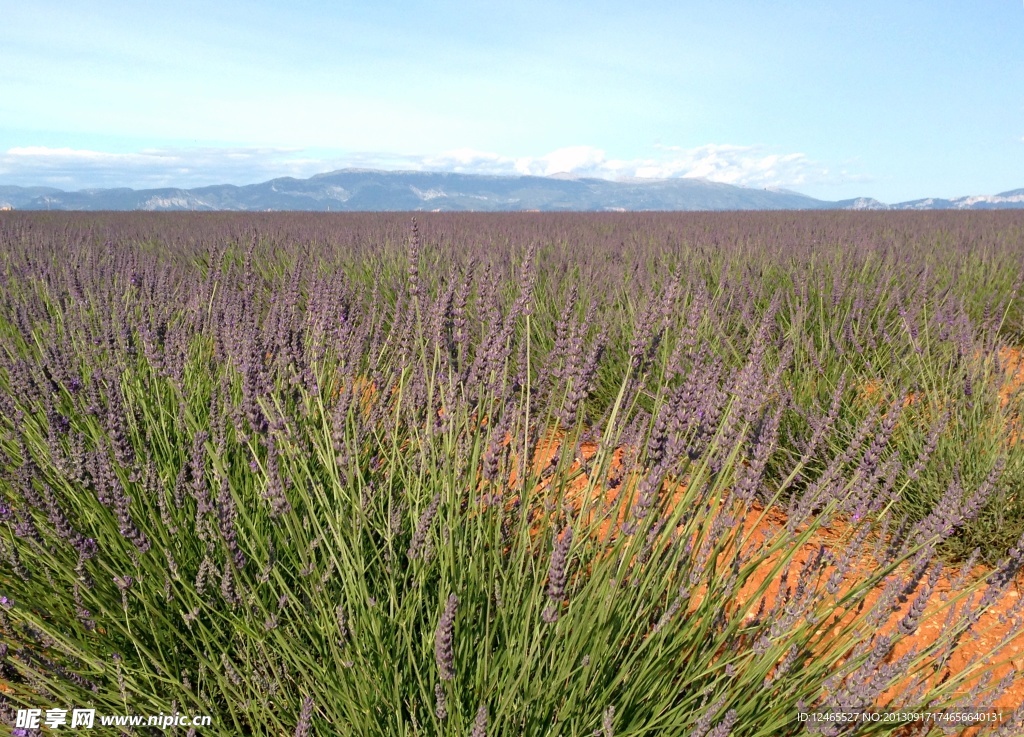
(895, 100)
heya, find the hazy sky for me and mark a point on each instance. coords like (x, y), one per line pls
(894, 99)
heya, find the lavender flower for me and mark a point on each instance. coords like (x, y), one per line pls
(275, 492)
(672, 610)
(440, 702)
(422, 526)
(227, 586)
(607, 721)
(226, 518)
(480, 723)
(557, 575)
(908, 624)
(724, 727)
(702, 726)
(305, 718)
(342, 620)
(444, 653)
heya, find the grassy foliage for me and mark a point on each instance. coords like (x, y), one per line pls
(287, 478)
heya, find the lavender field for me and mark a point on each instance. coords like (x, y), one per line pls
(513, 474)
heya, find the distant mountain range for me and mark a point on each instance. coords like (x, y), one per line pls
(366, 189)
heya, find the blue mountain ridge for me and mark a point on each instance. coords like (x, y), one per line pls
(374, 190)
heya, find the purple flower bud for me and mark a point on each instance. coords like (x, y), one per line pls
(703, 723)
(444, 652)
(305, 717)
(557, 576)
(724, 727)
(480, 723)
(342, 620)
(440, 702)
(422, 526)
(607, 722)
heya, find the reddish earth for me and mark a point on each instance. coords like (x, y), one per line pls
(872, 390)
(1011, 363)
(992, 642)
(991, 638)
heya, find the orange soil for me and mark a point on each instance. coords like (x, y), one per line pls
(871, 390)
(982, 642)
(987, 633)
(1011, 361)
(362, 387)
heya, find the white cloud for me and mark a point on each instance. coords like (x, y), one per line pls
(749, 166)
(67, 168)
(80, 168)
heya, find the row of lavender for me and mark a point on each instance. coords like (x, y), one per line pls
(259, 466)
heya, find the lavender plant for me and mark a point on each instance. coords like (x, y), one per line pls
(329, 477)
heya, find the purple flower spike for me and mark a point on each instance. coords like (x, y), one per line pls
(557, 576)
(444, 651)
